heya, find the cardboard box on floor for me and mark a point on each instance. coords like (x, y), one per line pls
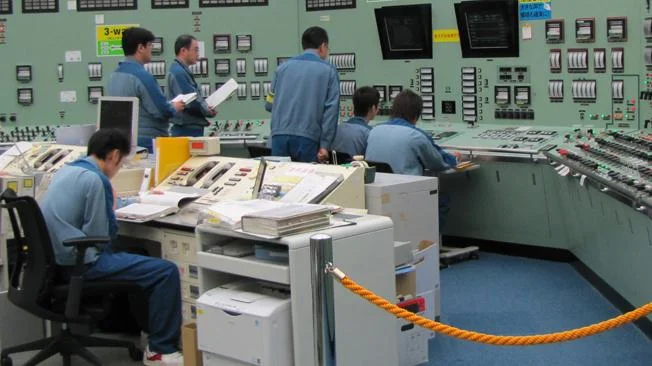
(191, 355)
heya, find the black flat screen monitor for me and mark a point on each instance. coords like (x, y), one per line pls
(488, 28)
(405, 31)
(120, 113)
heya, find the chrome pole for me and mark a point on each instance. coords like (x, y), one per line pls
(320, 254)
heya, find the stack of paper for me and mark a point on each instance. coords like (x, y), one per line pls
(287, 219)
(222, 94)
(228, 214)
(271, 218)
(186, 98)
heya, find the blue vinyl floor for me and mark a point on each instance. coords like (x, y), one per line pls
(506, 295)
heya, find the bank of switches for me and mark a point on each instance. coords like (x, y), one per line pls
(618, 157)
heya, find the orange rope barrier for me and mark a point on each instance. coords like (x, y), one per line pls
(528, 340)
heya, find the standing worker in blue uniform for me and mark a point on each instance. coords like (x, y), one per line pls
(351, 136)
(192, 120)
(79, 202)
(406, 148)
(131, 79)
(305, 102)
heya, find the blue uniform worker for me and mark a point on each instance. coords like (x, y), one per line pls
(192, 120)
(131, 79)
(79, 202)
(406, 148)
(305, 102)
(351, 136)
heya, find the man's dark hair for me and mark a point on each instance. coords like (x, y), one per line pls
(183, 41)
(363, 99)
(407, 105)
(134, 36)
(106, 140)
(313, 37)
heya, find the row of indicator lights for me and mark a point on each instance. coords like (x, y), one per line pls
(238, 124)
(616, 116)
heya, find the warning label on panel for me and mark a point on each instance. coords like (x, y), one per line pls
(445, 35)
(109, 39)
(535, 9)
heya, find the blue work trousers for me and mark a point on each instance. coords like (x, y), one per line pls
(146, 142)
(178, 130)
(160, 280)
(298, 148)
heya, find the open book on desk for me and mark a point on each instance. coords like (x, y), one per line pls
(154, 205)
(222, 93)
(313, 188)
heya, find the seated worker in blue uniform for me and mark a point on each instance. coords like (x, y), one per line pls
(406, 148)
(80, 202)
(305, 102)
(351, 136)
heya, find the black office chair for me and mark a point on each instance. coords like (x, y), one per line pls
(381, 167)
(258, 151)
(337, 157)
(38, 285)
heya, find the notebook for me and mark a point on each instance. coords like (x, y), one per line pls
(186, 98)
(154, 205)
(222, 94)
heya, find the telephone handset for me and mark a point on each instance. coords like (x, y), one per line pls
(45, 157)
(54, 160)
(217, 175)
(199, 173)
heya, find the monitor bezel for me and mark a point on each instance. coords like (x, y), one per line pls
(424, 14)
(508, 7)
(135, 103)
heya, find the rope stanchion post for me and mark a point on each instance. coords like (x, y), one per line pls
(321, 253)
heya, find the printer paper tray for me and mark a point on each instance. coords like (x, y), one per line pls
(246, 266)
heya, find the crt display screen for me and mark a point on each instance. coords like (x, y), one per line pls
(116, 114)
(405, 31)
(488, 28)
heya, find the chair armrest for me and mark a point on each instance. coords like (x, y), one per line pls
(76, 280)
(82, 244)
(86, 241)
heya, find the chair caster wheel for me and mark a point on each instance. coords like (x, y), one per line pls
(6, 361)
(135, 353)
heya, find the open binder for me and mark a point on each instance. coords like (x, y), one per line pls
(154, 205)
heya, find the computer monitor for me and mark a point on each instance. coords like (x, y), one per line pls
(120, 113)
(405, 31)
(488, 28)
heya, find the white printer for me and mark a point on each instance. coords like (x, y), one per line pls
(246, 321)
